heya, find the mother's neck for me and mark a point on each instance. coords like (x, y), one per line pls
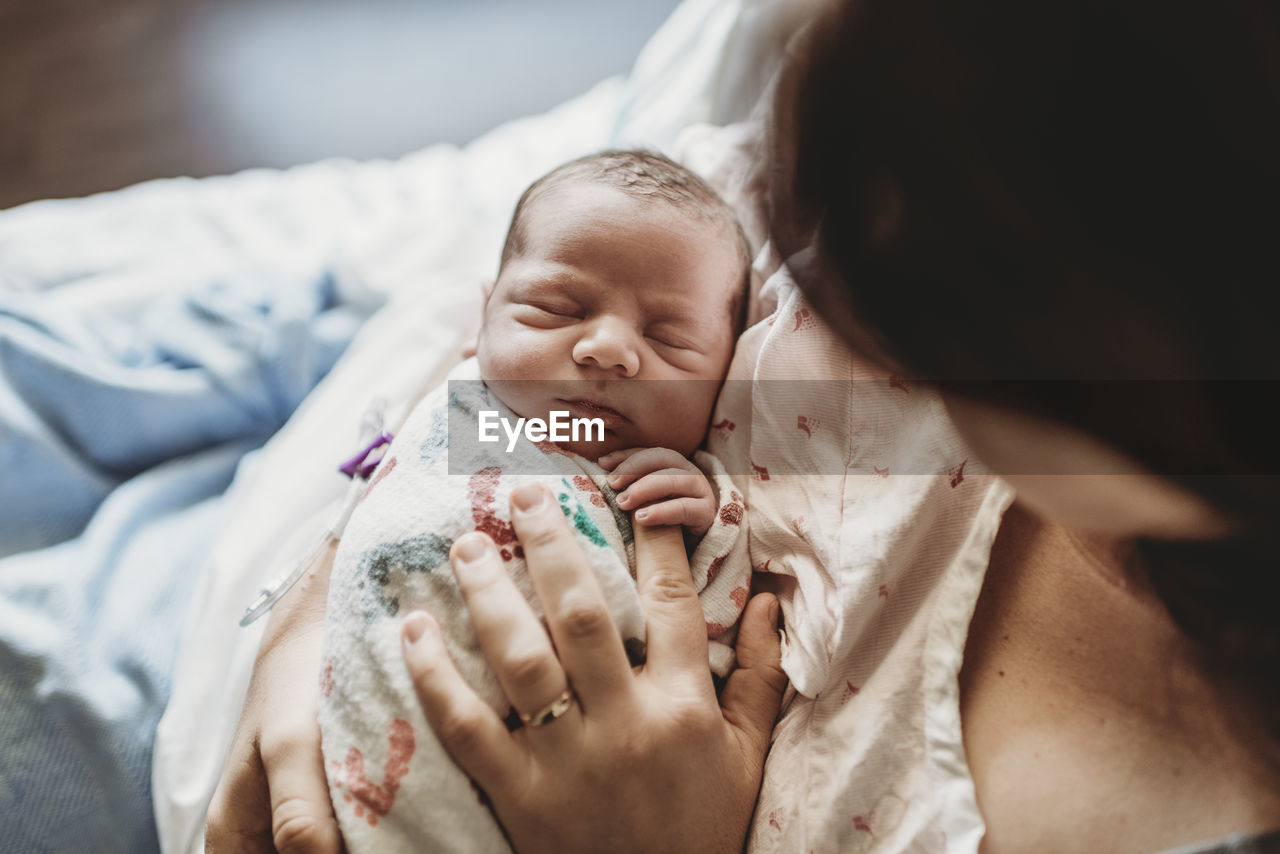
(1099, 627)
(1073, 664)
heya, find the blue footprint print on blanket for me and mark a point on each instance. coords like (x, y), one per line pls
(381, 563)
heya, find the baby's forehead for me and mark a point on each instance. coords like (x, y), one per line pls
(550, 199)
(542, 219)
(641, 228)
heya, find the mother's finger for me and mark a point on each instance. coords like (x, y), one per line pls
(287, 779)
(675, 627)
(752, 695)
(512, 638)
(467, 728)
(585, 636)
(239, 816)
(302, 817)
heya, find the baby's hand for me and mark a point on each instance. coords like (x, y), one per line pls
(668, 489)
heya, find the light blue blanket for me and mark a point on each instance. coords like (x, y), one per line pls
(119, 431)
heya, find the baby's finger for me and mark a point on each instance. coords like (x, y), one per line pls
(666, 483)
(643, 462)
(611, 459)
(686, 512)
(468, 729)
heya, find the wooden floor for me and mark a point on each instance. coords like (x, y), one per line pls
(99, 94)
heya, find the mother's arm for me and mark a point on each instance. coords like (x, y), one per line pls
(273, 795)
(644, 761)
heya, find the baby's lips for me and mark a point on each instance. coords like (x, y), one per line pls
(612, 418)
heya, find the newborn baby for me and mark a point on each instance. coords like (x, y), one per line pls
(619, 298)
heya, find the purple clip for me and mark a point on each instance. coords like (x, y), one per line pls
(357, 467)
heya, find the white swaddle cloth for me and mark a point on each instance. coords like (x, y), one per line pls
(393, 787)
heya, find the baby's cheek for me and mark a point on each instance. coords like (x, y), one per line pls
(496, 361)
(506, 350)
(681, 422)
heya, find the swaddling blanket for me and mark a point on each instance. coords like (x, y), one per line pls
(392, 785)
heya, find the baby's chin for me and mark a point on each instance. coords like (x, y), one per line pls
(595, 450)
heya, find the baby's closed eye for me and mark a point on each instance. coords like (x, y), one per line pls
(544, 313)
(669, 338)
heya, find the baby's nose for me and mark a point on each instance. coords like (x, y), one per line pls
(609, 345)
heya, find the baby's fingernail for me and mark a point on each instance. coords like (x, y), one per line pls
(642, 515)
(471, 548)
(613, 479)
(623, 498)
(414, 626)
(529, 498)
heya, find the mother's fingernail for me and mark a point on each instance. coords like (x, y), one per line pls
(414, 626)
(471, 548)
(529, 497)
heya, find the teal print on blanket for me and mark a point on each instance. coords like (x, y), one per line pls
(437, 441)
(388, 562)
(581, 520)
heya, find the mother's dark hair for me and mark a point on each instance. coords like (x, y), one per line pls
(1072, 209)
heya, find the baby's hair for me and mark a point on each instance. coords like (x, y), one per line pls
(649, 176)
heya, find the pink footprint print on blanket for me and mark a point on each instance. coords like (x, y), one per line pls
(585, 484)
(731, 513)
(482, 489)
(377, 799)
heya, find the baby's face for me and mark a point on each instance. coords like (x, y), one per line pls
(616, 308)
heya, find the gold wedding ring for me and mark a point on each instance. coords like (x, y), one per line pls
(551, 711)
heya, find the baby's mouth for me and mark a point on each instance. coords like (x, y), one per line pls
(592, 409)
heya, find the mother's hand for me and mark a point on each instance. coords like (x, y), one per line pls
(273, 795)
(644, 761)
